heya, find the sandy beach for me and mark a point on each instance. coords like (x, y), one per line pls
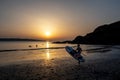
(58, 65)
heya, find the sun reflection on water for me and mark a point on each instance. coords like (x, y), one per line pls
(47, 44)
(48, 54)
(47, 50)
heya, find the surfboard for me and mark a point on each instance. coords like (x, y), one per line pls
(74, 54)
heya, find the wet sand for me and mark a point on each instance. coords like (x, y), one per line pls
(61, 66)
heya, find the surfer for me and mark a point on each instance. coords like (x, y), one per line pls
(79, 56)
(76, 54)
(78, 50)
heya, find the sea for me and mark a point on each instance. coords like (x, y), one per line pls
(24, 51)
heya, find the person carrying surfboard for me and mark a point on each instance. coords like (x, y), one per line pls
(75, 53)
(78, 55)
(78, 51)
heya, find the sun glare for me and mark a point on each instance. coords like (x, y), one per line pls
(47, 33)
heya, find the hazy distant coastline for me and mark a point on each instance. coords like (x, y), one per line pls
(19, 39)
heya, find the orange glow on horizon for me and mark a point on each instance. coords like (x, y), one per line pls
(49, 29)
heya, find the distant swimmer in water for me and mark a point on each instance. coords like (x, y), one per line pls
(30, 46)
(36, 45)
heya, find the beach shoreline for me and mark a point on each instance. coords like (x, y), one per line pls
(64, 68)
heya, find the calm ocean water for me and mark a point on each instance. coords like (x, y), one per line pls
(18, 54)
(30, 45)
(89, 51)
(27, 45)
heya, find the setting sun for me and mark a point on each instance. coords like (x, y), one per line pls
(47, 33)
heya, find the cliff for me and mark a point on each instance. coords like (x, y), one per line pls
(105, 34)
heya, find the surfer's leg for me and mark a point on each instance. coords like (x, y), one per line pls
(81, 59)
(78, 62)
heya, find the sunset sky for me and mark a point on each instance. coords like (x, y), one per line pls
(55, 19)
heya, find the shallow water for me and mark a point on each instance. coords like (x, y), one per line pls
(43, 51)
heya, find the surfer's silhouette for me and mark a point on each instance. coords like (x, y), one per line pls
(78, 50)
(75, 53)
(78, 55)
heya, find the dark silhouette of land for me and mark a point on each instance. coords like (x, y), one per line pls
(105, 34)
(18, 39)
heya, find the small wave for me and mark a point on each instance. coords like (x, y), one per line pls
(9, 50)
